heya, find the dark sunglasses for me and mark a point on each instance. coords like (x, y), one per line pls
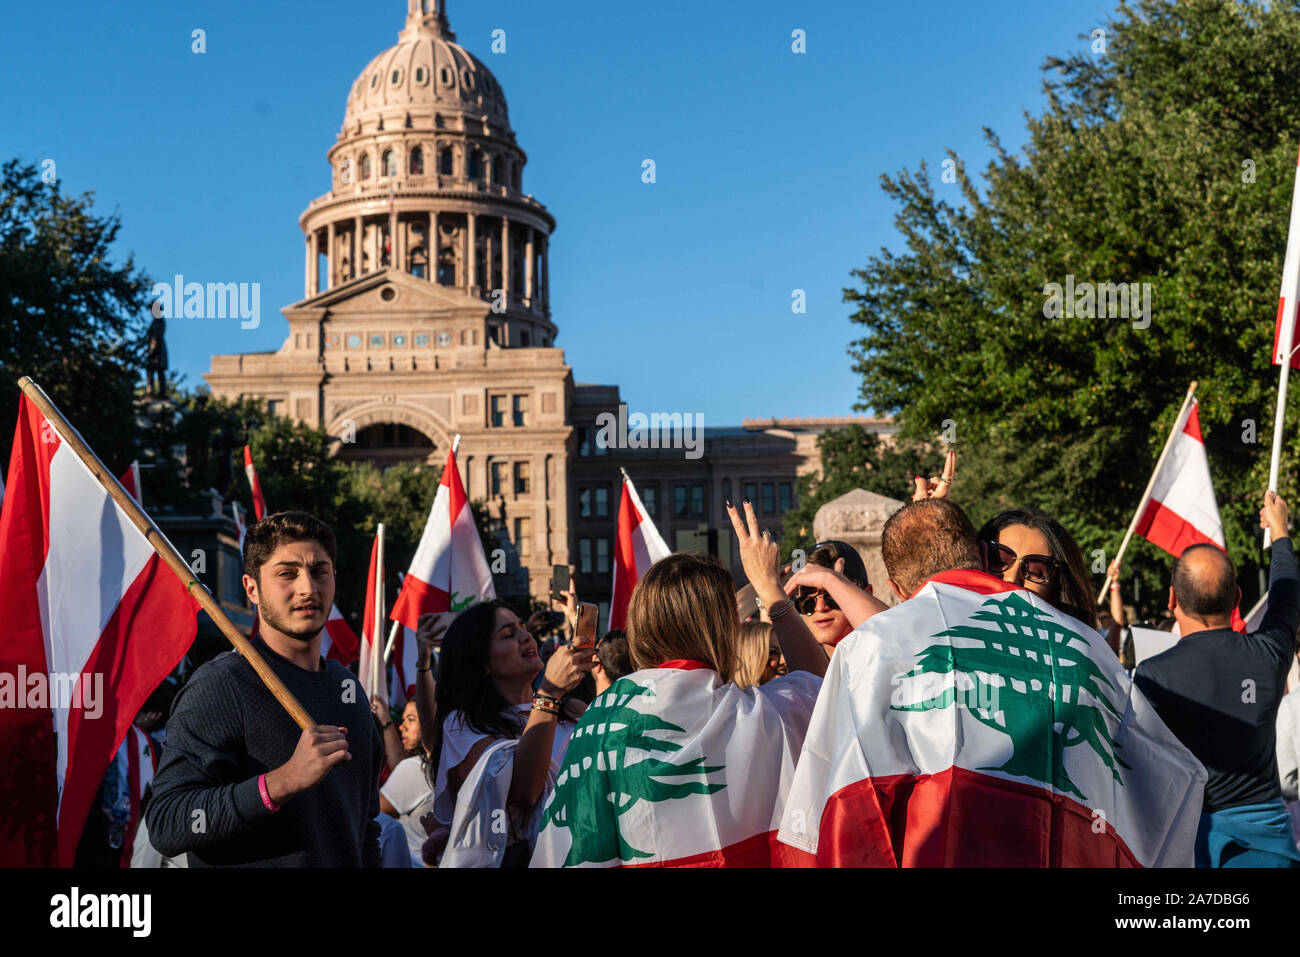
(805, 600)
(1039, 569)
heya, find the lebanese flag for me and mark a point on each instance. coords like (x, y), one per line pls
(368, 639)
(449, 571)
(339, 641)
(1286, 301)
(259, 503)
(974, 725)
(1182, 510)
(638, 546)
(673, 767)
(131, 481)
(137, 761)
(93, 623)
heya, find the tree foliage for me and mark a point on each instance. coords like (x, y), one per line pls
(1167, 159)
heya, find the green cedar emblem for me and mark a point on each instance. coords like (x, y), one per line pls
(597, 785)
(1044, 666)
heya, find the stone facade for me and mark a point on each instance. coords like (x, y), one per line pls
(426, 314)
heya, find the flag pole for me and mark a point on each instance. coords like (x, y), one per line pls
(1146, 495)
(166, 551)
(376, 659)
(1284, 348)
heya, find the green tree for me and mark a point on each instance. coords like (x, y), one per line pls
(70, 317)
(1167, 159)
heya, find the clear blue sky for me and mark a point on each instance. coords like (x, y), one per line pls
(768, 162)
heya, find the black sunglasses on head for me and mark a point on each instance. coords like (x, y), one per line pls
(1039, 569)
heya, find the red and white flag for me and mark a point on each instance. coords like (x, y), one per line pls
(975, 725)
(449, 571)
(259, 503)
(1286, 301)
(1182, 510)
(638, 546)
(365, 667)
(131, 481)
(137, 760)
(93, 623)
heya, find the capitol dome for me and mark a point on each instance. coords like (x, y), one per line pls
(425, 74)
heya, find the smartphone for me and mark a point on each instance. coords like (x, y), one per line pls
(584, 633)
(559, 581)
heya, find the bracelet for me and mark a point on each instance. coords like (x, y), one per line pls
(430, 668)
(546, 705)
(266, 795)
(545, 697)
(385, 727)
(779, 608)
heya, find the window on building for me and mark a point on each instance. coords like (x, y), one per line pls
(785, 496)
(697, 499)
(498, 478)
(751, 493)
(275, 408)
(475, 165)
(584, 556)
(679, 500)
(417, 161)
(584, 441)
(524, 536)
(498, 172)
(520, 410)
(650, 499)
(602, 556)
(602, 501)
(365, 165)
(445, 162)
(498, 411)
(584, 503)
(446, 268)
(389, 163)
(525, 339)
(769, 498)
(521, 478)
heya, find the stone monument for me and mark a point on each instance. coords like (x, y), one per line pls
(857, 518)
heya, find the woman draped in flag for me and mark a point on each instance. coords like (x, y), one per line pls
(676, 765)
(500, 741)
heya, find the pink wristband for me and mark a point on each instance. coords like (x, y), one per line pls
(266, 795)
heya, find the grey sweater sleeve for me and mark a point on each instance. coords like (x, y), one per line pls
(197, 799)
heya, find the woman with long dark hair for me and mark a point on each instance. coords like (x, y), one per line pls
(1030, 548)
(498, 739)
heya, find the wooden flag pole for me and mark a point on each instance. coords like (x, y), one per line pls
(1146, 495)
(166, 550)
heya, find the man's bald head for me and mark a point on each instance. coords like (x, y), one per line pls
(1205, 584)
(924, 538)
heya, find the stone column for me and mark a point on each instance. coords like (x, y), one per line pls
(505, 259)
(472, 242)
(356, 247)
(331, 258)
(529, 291)
(306, 273)
(546, 272)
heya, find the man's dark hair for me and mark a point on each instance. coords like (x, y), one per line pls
(270, 533)
(826, 553)
(924, 538)
(613, 655)
(1208, 590)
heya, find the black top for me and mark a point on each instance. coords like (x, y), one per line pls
(1218, 691)
(225, 730)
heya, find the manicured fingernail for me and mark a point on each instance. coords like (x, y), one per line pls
(746, 500)
(729, 505)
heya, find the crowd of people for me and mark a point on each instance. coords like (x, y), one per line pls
(462, 775)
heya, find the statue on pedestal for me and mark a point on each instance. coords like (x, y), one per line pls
(155, 362)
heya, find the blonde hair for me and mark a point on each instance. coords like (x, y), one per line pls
(684, 607)
(755, 650)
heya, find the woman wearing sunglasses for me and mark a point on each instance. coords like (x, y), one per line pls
(1030, 548)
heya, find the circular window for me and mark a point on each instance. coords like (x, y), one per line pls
(444, 338)
(331, 341)
(376, 340)
(422, 340)
(354, 341)
(399, 340)
(388, 294)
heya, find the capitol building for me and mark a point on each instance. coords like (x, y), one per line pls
(426, 313)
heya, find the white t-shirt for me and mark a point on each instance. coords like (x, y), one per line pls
(410, 794)
(458, 740)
